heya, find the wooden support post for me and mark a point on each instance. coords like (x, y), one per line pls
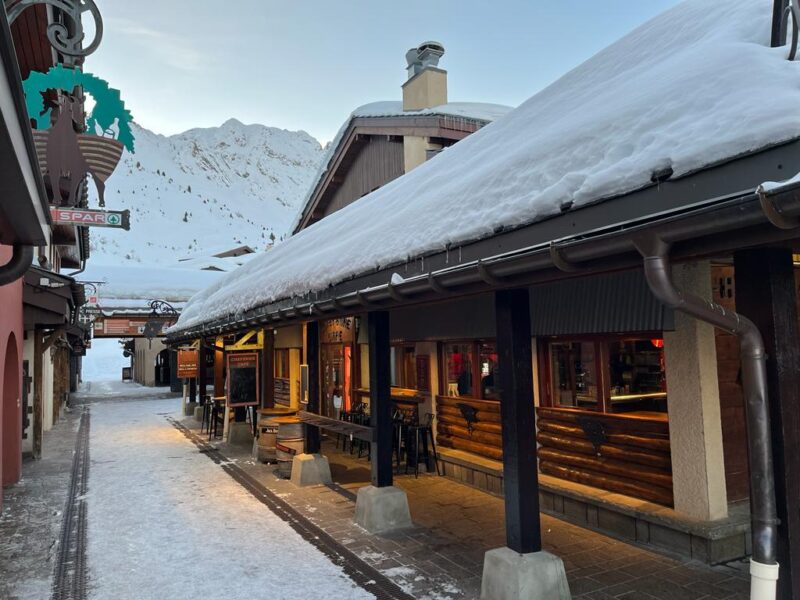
(766, 294)
(520, 476)
(380, 400)
(38, 379)
(201, 371)
(312, 358)
(268, 369)
(193, 389)
(219, 368)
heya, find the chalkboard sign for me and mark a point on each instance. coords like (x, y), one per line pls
(243, 379)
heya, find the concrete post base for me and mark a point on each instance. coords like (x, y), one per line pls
(508, 575)
(310, 469)
(240, 434)
(379, 510)
(188, 409)
(198, 414)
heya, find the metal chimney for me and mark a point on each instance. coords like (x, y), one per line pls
(427, 54)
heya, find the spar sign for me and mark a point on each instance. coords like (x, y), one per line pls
(91, 218)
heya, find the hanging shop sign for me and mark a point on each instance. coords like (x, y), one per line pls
(91, 218)
(66, 154)
(187, 364)
(243, 384)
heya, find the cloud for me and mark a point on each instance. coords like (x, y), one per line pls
(173, 50)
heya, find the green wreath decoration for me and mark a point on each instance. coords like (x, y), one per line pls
(108, 103)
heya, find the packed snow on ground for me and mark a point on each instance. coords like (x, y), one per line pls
(104, 361)
(693, 86)
(108, 389)
(166, 522)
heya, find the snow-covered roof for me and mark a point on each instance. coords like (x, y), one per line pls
(134, 286)
(474, 111)
(213, 263)
(692, 87)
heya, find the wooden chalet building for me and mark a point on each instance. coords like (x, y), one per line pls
(602, 333)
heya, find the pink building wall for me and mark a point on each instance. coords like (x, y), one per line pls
(11, 339)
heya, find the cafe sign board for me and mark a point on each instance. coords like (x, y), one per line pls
(338, 331)
(187, 364)
(243, 386)
(91, 218)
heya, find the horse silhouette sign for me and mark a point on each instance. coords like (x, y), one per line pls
(91, 218)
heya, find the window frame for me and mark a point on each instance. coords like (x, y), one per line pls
(602, 365)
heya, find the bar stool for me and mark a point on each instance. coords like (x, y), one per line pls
(217, 417)
(419, 435)
(206, 422)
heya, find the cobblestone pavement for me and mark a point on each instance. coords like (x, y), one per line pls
(442, 556)
(30, 525)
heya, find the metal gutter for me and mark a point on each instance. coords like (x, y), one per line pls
(698, 231)
(764, 514)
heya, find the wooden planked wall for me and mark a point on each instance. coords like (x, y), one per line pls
(633, 459)
(452, 431)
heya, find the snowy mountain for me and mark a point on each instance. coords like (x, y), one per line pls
(205, 189)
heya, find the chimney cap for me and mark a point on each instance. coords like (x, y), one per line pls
(427, 54)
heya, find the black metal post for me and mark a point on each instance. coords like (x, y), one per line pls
(778, 8)
(520, 475)
(765, 293)
(268, 369)
(312, 359)
(201, 371)
(380, 399)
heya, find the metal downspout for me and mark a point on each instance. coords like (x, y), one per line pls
(657, 269)
(15, 268)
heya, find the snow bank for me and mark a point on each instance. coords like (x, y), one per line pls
(693, 86)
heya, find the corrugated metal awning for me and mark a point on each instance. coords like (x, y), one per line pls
(610, 303)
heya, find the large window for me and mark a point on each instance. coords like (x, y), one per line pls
(612, 374)
(282, 364)
(470, 369)
(403, 366)
(573, 374)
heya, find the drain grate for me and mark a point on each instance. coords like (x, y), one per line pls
(366, 576)
(69, 578)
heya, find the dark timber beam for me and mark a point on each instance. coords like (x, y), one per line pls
(312, 360)
(520, 475)
(193, 389)
(268, 369)
(766, 294)
(380, 401)
(201, 371)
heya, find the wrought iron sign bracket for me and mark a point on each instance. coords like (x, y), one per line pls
(69, 43)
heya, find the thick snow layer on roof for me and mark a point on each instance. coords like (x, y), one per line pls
(693, 86)
(133, 286)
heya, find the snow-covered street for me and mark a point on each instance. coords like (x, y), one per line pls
(165, 522)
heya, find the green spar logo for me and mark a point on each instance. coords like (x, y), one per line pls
(113, 219)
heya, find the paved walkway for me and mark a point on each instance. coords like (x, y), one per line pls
(30, 525)
(442, 557)
(175, 517)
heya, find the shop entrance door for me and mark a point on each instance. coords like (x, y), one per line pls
(336, 379)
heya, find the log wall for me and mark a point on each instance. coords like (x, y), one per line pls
(633, 457)
(452, 430)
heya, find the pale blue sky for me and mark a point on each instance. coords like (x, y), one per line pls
(305, 64)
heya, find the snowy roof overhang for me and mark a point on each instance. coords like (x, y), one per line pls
(660, 131)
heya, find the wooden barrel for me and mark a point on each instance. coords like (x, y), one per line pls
(267, 436)
(289, 442)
